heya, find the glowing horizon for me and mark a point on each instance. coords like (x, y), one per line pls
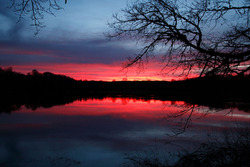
(73, 47)
(97, 72)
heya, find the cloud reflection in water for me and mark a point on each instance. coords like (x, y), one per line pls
(94, 132)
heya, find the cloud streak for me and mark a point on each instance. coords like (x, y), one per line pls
(74, 47)
(84, 51)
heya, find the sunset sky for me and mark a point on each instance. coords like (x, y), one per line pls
(72, 43)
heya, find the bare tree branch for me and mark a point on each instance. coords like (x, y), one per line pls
(36, 9)
(208, 36)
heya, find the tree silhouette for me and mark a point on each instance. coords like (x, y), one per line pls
(36, 9)
(207, 36)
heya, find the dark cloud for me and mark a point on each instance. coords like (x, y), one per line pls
(10, 27)
(81, 51)
(18, 46)
(5, 8)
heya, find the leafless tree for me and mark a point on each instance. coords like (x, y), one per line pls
(206, 36)
(36, 9)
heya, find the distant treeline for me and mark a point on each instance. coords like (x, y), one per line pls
(48, 89)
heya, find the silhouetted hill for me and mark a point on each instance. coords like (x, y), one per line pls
(47, 89)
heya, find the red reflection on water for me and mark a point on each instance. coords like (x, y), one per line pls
(127, 108)
(139, 109)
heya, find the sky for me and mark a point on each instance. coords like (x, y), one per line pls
(72, 43)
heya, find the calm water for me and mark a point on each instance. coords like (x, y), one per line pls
(96, 132)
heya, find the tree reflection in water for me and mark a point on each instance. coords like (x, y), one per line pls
(230, 150)
(128, 123)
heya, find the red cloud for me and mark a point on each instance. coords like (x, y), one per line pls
(97, 72)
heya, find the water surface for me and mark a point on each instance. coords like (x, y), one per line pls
(99, 132)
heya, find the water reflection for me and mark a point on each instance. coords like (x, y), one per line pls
(98, 131)
(8, 105)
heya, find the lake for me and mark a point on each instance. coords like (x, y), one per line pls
(102, 132)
